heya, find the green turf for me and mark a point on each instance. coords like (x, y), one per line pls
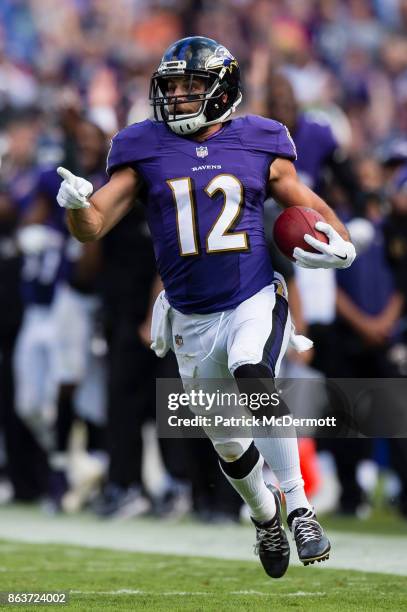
(98, 580)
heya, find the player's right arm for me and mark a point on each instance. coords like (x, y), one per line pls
(90, 217)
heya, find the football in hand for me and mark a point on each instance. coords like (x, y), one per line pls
(290, 227)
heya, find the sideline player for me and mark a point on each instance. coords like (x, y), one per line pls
(204, 179)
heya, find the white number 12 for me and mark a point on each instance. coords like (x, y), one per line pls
(219, 238)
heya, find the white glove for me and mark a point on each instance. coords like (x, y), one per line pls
(74, 190)
(339, 253)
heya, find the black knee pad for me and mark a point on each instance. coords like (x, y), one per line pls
(242, 466)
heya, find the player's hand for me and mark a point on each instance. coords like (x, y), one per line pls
(339, 253)
(74, 190)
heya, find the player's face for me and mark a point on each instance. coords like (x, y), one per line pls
(186, 89)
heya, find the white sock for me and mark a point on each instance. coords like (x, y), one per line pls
(257, 496)
(282, 456)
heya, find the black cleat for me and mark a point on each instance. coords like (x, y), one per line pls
(272, 544)
(312, 543)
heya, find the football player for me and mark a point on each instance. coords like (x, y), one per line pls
(204, 179)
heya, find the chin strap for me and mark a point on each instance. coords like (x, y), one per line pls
(186, 126)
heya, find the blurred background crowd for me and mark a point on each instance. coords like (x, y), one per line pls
(77, 380)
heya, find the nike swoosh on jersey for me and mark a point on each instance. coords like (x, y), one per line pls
(344, 258)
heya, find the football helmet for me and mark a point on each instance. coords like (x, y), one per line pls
(196, 57)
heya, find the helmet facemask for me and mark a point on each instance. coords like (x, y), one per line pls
(214, 107)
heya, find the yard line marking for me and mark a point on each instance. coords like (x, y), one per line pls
(139, 592)
(189, 593)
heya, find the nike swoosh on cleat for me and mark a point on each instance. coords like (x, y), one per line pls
(341, 257)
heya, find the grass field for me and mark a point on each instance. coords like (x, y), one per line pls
(116, 580)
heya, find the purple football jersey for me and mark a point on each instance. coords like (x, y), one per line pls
(204, 206)
(314, 142)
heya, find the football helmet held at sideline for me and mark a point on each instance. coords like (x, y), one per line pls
(196, 57)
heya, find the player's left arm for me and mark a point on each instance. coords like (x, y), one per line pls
(287, 189)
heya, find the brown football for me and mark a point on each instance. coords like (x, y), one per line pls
(290, 227)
